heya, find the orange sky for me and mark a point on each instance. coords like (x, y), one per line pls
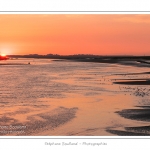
(75, 34)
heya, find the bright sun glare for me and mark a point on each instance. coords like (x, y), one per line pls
(3, 54)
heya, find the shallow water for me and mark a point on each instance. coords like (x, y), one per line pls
(49, 97)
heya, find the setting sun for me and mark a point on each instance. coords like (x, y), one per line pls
(3, 55)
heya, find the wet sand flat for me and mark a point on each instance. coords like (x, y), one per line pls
(74, 98)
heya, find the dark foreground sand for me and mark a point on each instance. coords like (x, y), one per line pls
(141, 114)
(37, 123)
(137, 82)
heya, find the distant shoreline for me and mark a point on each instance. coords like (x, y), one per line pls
(80, 56)
(139, 61)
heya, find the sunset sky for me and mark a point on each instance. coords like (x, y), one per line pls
(75, 34)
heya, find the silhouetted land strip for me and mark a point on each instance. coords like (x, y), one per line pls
(85, 57)
(140, 61)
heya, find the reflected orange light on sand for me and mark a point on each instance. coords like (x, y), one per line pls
(76, 34)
